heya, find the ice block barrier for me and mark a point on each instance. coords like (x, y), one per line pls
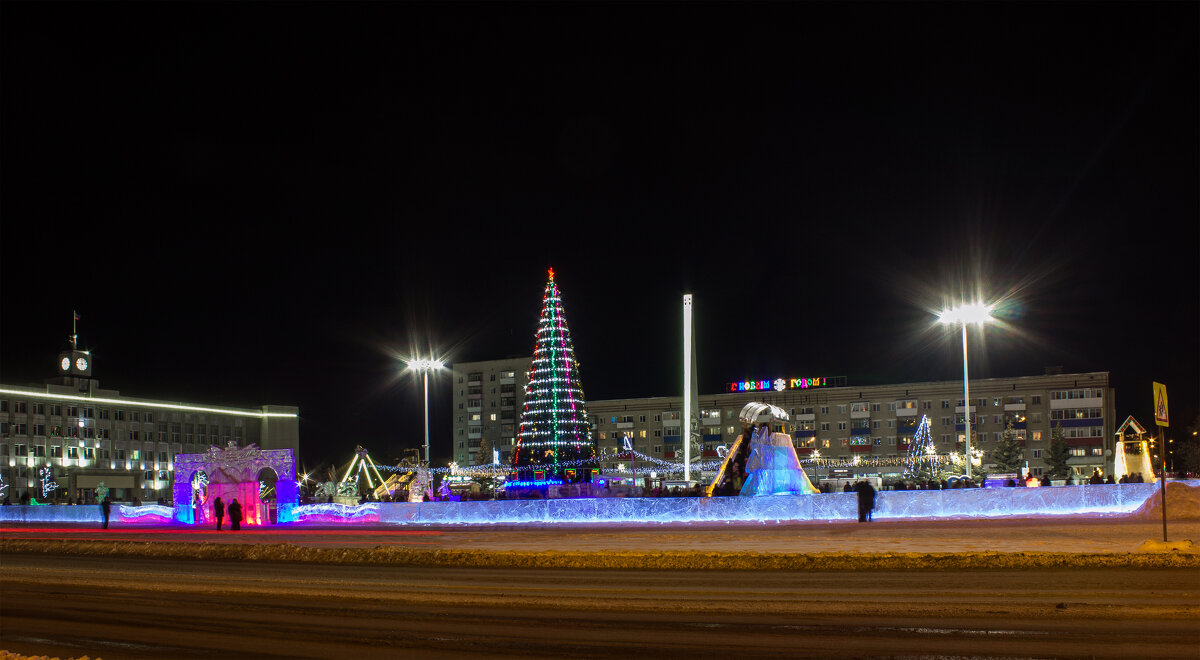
(1101, 500)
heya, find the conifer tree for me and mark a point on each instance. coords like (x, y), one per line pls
(555, 439)
(1008, 455)
(1058, 454)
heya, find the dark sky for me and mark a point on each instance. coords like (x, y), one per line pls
(266, 203)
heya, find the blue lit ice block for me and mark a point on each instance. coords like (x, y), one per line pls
(774, 467)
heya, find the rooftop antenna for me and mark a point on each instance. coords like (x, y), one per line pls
(74, 338)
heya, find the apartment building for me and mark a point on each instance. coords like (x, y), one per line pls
(836, 420)
(487, 401)
(830, 418)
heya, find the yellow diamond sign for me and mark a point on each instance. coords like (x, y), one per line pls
(1160, 405)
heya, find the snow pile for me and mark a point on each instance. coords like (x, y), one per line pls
(1182, 545)
(1183, 503)
(621, 560)
(9, 655)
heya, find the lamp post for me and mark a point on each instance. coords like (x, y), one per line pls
(965, 315)
(425, 366)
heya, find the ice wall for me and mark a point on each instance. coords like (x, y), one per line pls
(119, 514)
(890, 505)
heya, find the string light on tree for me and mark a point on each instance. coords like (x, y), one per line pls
(922, 461)
(555, 433)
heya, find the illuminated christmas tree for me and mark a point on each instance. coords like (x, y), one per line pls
(555, 439)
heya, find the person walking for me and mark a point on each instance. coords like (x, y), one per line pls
(235, 515)
(866, 500)
(219, 512)
(105, 509)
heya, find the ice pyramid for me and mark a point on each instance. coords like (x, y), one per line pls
(773, 466)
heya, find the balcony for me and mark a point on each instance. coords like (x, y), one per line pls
(1014, 407)
(860, 449)
(906, 412)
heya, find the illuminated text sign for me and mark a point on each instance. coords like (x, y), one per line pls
(779, 384)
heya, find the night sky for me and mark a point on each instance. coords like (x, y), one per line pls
(268, 203)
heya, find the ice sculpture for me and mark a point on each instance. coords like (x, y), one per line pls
(774, 467)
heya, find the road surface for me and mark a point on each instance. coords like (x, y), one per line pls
(119, 607)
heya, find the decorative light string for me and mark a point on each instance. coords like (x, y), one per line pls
(498, 470)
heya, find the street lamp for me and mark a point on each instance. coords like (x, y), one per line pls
(965, 315)
(425, 366)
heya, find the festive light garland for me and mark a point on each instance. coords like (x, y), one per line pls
(534, 483)
(48, 483)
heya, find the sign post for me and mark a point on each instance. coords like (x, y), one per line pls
(1162, 418)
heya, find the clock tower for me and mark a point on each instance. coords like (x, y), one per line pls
(75, 362)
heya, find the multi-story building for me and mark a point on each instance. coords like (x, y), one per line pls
(829, 417)
(86, 434)
(488, 399)
(841, 422)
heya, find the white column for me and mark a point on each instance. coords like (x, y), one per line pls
(966, 404)
(686, 431)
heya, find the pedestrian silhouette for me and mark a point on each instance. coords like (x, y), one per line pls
(105, 507)
(235, 515)
(219, 512)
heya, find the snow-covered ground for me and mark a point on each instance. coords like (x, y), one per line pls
(1092, 533)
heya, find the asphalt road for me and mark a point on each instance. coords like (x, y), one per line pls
(116, 607)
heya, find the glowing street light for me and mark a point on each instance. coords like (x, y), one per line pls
(425, 366)
(965, 315)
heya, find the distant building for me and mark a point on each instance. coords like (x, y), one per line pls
(829, 417)
(487, 402)
(87, 435)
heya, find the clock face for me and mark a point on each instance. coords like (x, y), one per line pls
(81, 364)
(66, 363)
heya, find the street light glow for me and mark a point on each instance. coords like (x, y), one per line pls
(424, 365)
(965, 315)
(976, 313)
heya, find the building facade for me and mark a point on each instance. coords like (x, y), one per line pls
(487, 402)
(829, 418)
(86, 434)
(842, 422)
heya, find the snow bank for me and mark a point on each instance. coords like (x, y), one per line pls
(622, 560)
(1183, 545)
(8, 655)
(1183, 503)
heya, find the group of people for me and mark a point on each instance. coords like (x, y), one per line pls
(235, 514)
